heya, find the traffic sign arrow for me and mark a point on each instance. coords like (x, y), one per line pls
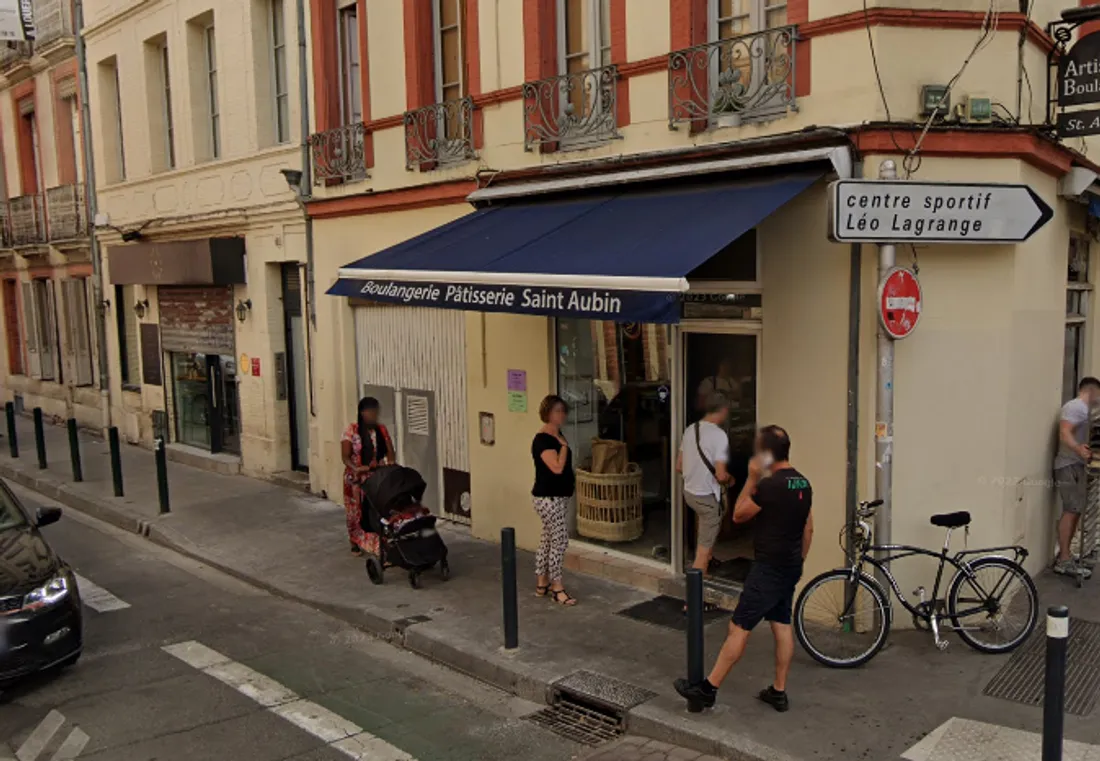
(875, 211)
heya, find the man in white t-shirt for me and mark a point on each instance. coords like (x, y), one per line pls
(704, 452)
(1070, 474)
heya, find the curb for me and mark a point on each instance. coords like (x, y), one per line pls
(658, 719)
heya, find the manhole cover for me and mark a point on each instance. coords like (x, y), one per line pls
(583, 724)
(1021, 679)
(667, 612)
(603, 691)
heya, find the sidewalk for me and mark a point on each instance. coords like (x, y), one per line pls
(294, 545)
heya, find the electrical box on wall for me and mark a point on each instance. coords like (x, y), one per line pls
(978, 110)
(935, 99)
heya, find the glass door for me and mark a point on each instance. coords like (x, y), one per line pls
(204, 391)
(727, 363)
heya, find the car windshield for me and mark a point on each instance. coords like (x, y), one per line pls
(10, 514)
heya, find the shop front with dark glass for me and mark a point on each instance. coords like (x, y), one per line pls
(205, 401)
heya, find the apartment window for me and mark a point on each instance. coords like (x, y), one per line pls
(30, 155)
(166, 105)
(278, 72)
(1078, 295)
(211, 58)
(584, 35)
(733, 18)
(13, 333)
(127, 324)
(113, 141)
(450, 49)
(78, 334)
(41, 329)
(351, 95)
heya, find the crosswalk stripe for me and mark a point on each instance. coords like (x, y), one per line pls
(331, 728)
(32, 748)
(72, 746)
(97, 598)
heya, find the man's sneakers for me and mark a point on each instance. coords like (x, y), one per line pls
(705, 695)
(1071, 567)
(775, 698)
(701, 693)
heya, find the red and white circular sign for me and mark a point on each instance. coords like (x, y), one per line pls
(899, 302)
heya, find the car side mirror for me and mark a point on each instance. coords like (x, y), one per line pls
(44, 516)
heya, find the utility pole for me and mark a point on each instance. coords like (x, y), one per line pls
(93, 210)
(884, 393)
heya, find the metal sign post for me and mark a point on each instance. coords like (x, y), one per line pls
(884, 393)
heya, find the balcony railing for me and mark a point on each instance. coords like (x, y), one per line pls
(53, 20)
(732, 81)
(441, 134)
(572, 111)
(338, 154)
(28, 223)
(67, 212)
(12, 53)
(5, 226)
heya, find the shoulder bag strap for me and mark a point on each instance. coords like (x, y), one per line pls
(699, 446)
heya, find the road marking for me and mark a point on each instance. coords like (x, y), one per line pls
(332, 729)
(97, 598)
(36, 743)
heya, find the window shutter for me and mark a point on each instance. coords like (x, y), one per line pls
(79, 349)
(47, 336)
(30, 330)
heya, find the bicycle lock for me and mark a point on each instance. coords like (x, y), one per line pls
(1054, 690)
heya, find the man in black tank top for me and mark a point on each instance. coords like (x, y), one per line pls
(778, 499)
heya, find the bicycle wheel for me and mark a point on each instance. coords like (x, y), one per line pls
(840, 624)
(995, 607)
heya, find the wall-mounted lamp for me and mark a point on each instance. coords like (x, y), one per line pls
(141, 308)
(243, 308)
(293, 179)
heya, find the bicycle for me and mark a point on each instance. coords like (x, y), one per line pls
(862, 625)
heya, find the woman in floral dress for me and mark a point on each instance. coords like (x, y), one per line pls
(365, 446)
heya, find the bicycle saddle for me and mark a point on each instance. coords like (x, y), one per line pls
(951, 520)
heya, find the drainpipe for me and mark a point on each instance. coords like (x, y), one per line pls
(305, 190)
(93, 210)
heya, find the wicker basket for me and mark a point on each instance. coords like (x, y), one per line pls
(609, 506)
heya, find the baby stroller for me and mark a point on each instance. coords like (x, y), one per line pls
(406, 532)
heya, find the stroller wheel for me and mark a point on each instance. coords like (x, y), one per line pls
(414, 579)
(374, 569)
(444, 569)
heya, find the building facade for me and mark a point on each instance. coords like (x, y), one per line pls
(451, 127)
(195, 116)
(50, 354)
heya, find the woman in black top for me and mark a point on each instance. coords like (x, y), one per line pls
(553, 490)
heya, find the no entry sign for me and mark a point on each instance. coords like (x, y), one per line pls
(899, 301)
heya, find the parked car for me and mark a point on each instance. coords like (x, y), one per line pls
(41, 624)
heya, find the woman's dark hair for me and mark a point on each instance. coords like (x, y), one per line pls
(548, 405)
(368, 453)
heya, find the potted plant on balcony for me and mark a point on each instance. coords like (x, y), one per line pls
(728, 99)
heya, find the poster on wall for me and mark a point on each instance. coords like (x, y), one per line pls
(16, 20)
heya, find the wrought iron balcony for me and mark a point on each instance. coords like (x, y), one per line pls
(5, 226)
(575, 110)
(53, 20)
(338, 154)
(67, 212)
(732, 81)
(12, 53)
(441, 134)
(28, 223)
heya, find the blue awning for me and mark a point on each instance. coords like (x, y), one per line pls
(623, 256)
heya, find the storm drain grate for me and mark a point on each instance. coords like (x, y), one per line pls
(1021, 679)
(580, 723)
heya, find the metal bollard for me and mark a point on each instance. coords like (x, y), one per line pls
(74, 450)
(695, 632)
(1054, 691)
(116, 459)
(508, 585)
(162, 474)
(13, 441)
(39, 438)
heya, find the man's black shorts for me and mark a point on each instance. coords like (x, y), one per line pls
(768, 595)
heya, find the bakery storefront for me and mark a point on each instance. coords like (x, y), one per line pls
(632, 299)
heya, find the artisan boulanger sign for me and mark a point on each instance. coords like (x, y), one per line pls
(1079, 72)
(590, 303)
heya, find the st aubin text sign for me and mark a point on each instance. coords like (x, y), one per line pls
(877, 211)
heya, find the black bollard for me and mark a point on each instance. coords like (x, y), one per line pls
(508, 585)
(74, 450)
(162, 474)
(116, 459)
(13, 441)
(695, 632)
(39, 438)
(1054, 692)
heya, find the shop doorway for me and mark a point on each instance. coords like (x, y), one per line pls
(205, 400)
(727, 362)
(297, 393)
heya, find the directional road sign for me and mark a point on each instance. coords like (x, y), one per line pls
(876, 211)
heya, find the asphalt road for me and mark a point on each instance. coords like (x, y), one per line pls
(199, 664)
